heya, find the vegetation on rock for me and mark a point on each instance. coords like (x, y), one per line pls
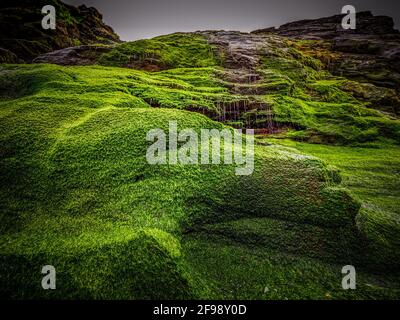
(78, 193)
(22, 33)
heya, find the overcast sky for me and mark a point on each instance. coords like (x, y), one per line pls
(136, 19)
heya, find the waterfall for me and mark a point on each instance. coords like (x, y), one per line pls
(270, 122)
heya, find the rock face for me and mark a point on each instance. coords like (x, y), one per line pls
(22, 34)
(78, 56)
(6, 56)
(243, 55)
(308, 60)
(260, 64)
(330, 27)
(370, 53)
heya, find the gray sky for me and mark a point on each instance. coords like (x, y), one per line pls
(136, 19)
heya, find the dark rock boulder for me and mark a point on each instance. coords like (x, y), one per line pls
(22, 34)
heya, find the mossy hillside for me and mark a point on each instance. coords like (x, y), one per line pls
(370, 172)
(70, 135)
(196, 88)
(102, 260)
(330, 245)
(297, 86)
(236, 270)
(375, 96)
(178, 50)
(337, 123)
(380, 98)
(77, 189)
(320, 107)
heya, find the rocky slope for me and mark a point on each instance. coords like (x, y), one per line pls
(23, 38)
(78, 192)
(358, 54)
(301, 62)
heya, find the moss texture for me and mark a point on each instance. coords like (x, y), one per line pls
(78, 193)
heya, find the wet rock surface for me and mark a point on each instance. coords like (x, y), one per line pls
(369, 56)
(243, 54)
(80, 55)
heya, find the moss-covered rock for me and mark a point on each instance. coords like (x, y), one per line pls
(79, 194)
(74, 26)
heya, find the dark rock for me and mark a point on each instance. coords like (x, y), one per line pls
(266, 30)
(80, 55)
(331, 27)
(379, 98)
(6, 56)
(357, 45)
(21, 31)
(241, 50)
(370, 53)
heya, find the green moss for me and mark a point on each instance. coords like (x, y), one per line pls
(320, 108)
(177, 50)
(100, 262)
(337, 123)
(239, 271)
(77, 190)
(371, 174)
